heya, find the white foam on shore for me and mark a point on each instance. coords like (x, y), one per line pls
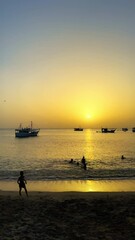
(75, 186)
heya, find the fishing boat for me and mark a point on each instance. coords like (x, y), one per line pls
(106, 130)
(26, 132)
(133, 129)
(78, 129)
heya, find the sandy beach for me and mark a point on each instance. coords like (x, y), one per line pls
(67, 215)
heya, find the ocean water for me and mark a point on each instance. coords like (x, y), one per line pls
(47, 156)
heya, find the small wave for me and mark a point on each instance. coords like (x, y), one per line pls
(71, 173)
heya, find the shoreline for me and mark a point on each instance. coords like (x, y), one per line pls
(73, 186)
(63, 196)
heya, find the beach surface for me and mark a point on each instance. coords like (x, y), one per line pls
(73, 186)
(67, 215)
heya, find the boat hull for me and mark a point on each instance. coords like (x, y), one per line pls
(25, 135)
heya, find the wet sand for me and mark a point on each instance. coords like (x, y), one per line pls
(67, 215)
(73, 186)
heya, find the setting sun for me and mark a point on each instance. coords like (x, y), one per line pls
(88, 116)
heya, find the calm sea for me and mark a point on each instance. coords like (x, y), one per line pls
(47, 156)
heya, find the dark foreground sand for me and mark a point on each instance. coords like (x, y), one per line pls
(71, 215)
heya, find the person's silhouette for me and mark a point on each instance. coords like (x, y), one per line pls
(22, 183)
(83, 161)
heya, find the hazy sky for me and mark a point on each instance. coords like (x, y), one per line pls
(67, 63)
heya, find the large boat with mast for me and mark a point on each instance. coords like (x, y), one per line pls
(26, 131)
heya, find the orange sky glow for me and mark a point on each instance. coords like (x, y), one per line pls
(65, 65)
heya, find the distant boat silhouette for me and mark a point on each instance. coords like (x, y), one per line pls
(133, 129)
(124, 129)
(78, 129)
(26, 132)
(106, 130)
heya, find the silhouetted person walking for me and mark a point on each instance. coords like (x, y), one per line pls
(22, 183)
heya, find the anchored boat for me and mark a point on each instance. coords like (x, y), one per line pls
(26, 132)
(124, 129)
(78, 129)
(133, 129)
(106, 130)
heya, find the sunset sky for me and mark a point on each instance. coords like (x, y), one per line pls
(67, 63)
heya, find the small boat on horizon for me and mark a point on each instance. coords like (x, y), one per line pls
(78, 129)
(133, 129)
(124, 129)
(106, 130)
(26, 132)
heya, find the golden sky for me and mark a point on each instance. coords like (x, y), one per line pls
(67, 64)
